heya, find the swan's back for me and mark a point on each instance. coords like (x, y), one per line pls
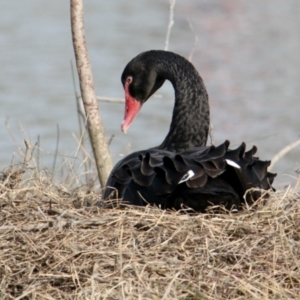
(196, 178)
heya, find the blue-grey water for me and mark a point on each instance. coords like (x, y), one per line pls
(246, 51)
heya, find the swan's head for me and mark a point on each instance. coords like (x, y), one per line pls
(140, 81)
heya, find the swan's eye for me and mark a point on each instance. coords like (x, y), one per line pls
(129, 79)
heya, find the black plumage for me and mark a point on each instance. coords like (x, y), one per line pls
(182, 170)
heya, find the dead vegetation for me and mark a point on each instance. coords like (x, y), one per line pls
(56, 245)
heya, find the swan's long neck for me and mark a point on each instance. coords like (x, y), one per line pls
(190, 121)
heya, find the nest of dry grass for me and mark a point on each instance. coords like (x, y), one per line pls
(56, 245)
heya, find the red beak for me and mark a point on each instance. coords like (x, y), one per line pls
(132, 107)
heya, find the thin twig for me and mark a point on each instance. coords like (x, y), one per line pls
(28, 154)
(283, 152)
(118, 100)
(78, 102)
(110, 100)
(84, 151)
(6, 122)
(110, 139)
(56, 150)
(211, 134)
(171, 23)
(195, 40)
(80, 114)
(38, 153)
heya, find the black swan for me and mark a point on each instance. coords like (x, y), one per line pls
(182, 171)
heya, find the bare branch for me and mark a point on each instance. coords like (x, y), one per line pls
(94, 123)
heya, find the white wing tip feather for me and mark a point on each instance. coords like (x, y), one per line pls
(187, 176)
(232, 163)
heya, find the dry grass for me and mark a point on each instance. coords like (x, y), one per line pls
(55, 246)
